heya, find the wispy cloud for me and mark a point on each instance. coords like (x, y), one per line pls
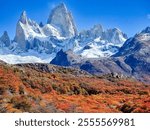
(148, 16)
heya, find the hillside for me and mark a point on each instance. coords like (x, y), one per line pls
(48, 88)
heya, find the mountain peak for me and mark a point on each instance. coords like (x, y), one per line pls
(144, 35)
(23, 17)
(62, 19)
(146, 30)
(61, 8)
(98, 27)
(5, 39)
(5, 33)
(62, 5)
(116, 29)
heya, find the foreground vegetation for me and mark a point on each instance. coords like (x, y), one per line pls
(28, 88)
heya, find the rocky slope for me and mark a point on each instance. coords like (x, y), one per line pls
(62, 19)
(48, 88)
(136, 54)
(94, 66)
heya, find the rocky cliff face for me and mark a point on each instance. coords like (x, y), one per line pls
(62, 19)
(95, 32)
(26, 31)
(115, 36)
(67, 58)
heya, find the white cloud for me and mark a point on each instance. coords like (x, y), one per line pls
(148, 16)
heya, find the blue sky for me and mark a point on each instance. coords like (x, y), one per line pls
(131, 16)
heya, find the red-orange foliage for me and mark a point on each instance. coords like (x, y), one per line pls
(24, 89)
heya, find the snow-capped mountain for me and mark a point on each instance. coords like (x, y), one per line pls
(48, 38)
(132, 59)
(39, 41)
(139, 44)
(26, 31)
(97, 42)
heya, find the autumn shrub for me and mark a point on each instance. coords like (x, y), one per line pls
(12, 89)
(125, 91)
(59, 89)
(16, 70)
(83, 85)
(3, 109)
(2, 90)
(142, 109)
(88, 90)
(143, 92)
(22, 103)
(21, 90)
(127, 108)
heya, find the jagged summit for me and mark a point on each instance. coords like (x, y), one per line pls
(146, 30)
(97, 30)
(60, 33)
(62, 19)
(5, 33)
(115, 35)
(144, 35)
(4, 39)
(23, 17)
(61, 7)
(26, 31)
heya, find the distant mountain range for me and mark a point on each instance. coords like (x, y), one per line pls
(40, 43)
(132, 59)
(95, 50)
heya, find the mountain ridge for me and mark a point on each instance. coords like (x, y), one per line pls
(132, 59)
(39, 40)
